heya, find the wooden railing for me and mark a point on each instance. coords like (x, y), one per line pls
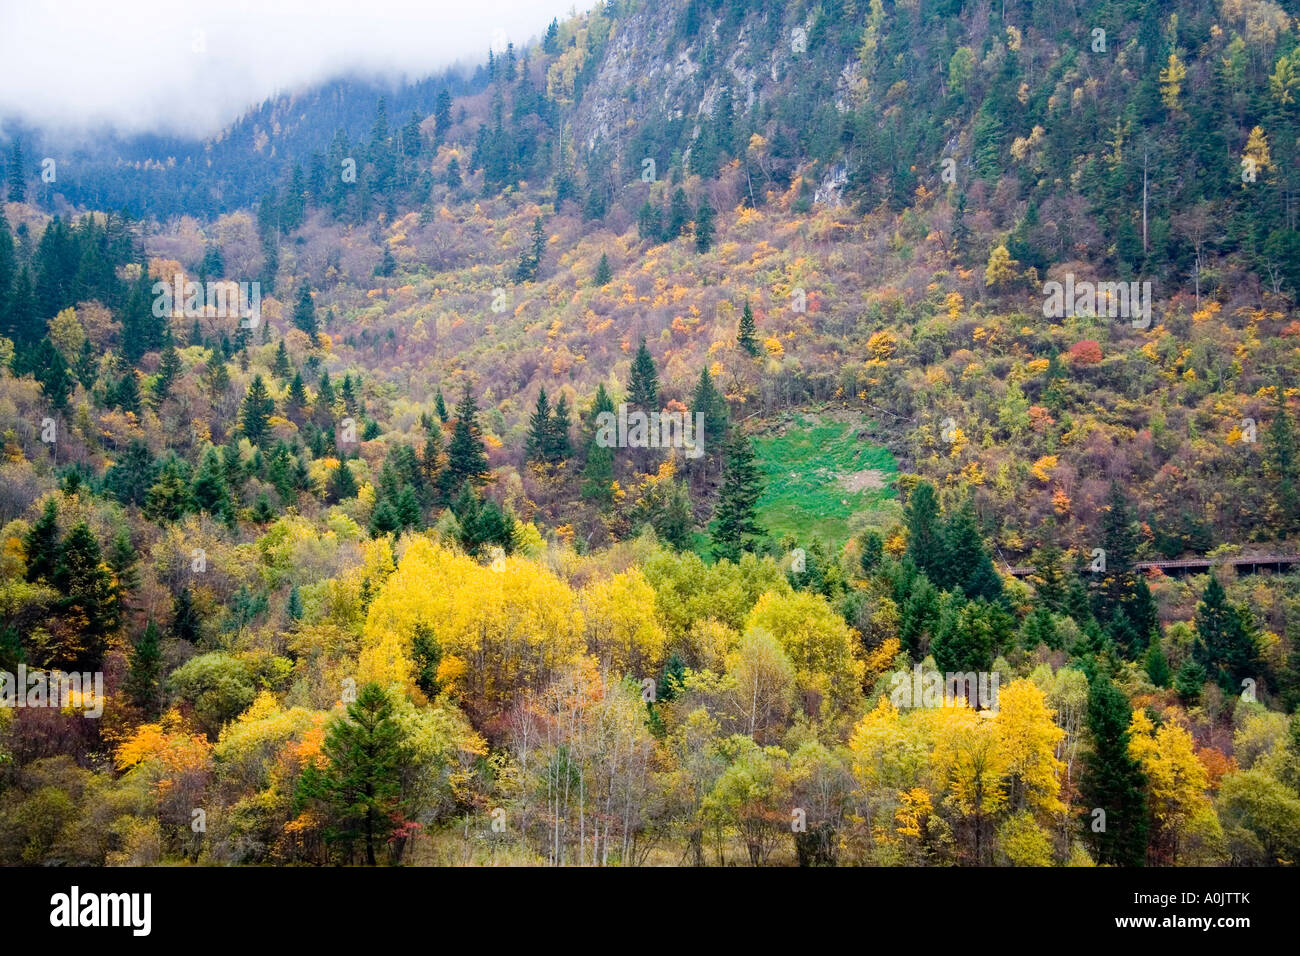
(1253, 562)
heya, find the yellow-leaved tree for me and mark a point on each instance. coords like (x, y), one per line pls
(620, 625)
(1176, 791)
(822, 648)
(497, 630)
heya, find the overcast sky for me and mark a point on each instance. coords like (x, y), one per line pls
(193, 66)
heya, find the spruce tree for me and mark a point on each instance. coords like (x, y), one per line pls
(737, 503)
(746, 336)
(257, 411)
(41, 543)
(603, 272)
(304, 313)
(342, 484)
(122, 560)
(966, 563)
(169, 498)
(1157, 666)
(1113, 782)
(466, 454)
(144, 678)
(281, 366)
(131, 476)
(1281, 461)
(168, 370)
(209, 488)
(535, 445)
(440, 406)
(1225, 638)
(441, 115)
(359, 787)
(8, 272)
(296, 399)
(924, 535)
(708, 401)
(679, 214)
(558, 445)
(186, 623)
(643, 383)
(17, 175)
(88, 596)
(1115, 585)
(704, 227)
(598, 473)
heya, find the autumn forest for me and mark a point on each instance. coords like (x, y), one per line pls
(706, 433)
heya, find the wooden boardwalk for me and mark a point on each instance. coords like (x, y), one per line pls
(1250, 564)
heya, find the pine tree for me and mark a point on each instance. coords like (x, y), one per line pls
(262, 512)
(216, 373)
(530, 259)
(1225, 638)
(679, 214)
(49, 368)
(384, 519)
(649, 222)
(960, 231)
(342, 484)
(603, 272)
(304, 313)
(209, 487)
(293, 607)
(1116, 584)
(466, 454)
(1049, 581)
(144, 678)
(41, 543)
(1281, 459)
(643, 384)
(558, 445)
(442, 115)
(1113, 782)
(708, 401)
(535, 446)
(704, 227)
(296, 399)
(348, 393)
(924, 536)
(122, 560)
(737, 501)
(130, 477)
(359, 786)
(8, 272)
(431, 458)
(598, 473)
(186, 623)
(127, 393)
(281, 366)
(169, 498)
(1157, 666)
(88, 597)
(325, 396)
(257, 411)
(168, 370)
(440, 406)
(747, 337)
(17, 175)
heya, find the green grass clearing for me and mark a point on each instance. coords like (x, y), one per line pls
(821, 481)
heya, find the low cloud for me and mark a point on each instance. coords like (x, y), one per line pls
(194, 67)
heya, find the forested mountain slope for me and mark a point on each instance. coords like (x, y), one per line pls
(831, 232)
